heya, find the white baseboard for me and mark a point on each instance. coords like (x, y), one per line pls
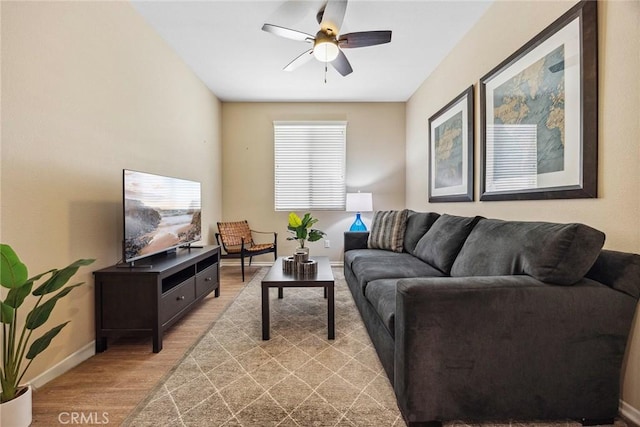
(630, 413)
(71, 361)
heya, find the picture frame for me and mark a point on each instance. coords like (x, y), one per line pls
(539, 114)
(451, 140)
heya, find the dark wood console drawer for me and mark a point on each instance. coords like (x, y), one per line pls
(207, 280)
(177, 299)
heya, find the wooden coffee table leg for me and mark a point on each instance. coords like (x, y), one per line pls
(331, 313)
(280, 293)
(265, 312)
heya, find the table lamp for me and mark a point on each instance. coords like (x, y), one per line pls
(359, 202)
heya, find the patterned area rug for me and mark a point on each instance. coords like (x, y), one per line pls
(297, 378)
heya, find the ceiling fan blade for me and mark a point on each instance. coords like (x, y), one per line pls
(341, 64)
(287, 33)
(333, 15)
(300, 60)
(364, 38)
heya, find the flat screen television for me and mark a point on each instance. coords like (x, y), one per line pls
(161, 213)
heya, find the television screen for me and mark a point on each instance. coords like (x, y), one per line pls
(160, 213)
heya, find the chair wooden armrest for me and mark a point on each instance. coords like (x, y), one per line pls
(264, 232)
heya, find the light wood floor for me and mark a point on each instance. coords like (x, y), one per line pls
(108, 386)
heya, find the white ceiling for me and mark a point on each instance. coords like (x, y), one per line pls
(222, 42)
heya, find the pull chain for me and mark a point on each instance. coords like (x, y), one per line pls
(325, 73)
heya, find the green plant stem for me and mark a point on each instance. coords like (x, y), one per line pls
(5, 355)
(8, 389)
(22, 345)
(24, 371)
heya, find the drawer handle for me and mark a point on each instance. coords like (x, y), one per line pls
(180, 298)
(208, 279)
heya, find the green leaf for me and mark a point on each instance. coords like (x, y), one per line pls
(316, 235)
(41, 313)
(6, 313)
(61, 277)
(13, 272)
(39, 276)
(39, 345)
(306, 219)
(16, 296)
(294, 221)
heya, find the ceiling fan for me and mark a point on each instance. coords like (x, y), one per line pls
(327, 43)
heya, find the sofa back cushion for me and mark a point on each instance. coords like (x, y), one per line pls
(387, 230)
(553, 253)
(441, 244)
(418, 223)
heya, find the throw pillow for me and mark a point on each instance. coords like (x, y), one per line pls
(418, 223)
(387, 230)
(441, 244)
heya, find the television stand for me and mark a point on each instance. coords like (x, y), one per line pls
(146, 300)
(132, 264)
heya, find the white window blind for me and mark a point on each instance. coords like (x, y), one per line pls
(309, 165)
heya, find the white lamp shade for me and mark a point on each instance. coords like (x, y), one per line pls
(359, 202)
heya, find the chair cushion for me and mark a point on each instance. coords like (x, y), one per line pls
(553, 253)
(259, 247)
(387, 230)
(441, 244)
(418, 223)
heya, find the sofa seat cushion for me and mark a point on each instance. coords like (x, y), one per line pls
(396, 267)
(441, 244)
(553, 253)
(352, 255)
(381, 294)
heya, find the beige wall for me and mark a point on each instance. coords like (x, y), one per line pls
(375, 163)
(503, 29)
(87, 90)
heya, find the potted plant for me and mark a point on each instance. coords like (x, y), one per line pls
(301, 229)
(18, 345)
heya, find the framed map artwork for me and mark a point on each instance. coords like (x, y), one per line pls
(451, 151)
(539, 108)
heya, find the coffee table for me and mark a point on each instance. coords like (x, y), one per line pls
(276, 278)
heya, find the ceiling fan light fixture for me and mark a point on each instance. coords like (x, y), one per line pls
(326, 51)
(325, 46)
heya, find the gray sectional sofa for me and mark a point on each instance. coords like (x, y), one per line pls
(480, 319)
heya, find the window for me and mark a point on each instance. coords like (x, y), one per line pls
(309, 165)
